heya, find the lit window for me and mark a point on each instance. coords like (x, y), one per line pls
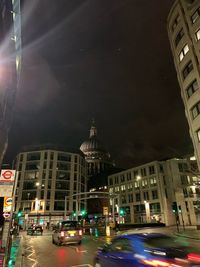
(192, 88)
(111, 190)
(123, 187)
(195, 110)
(197, 34)
(183, 52)
(198, 135)
(188, 68)
(116, 188)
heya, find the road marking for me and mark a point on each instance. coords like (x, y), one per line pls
(82, 265)
(77, 250)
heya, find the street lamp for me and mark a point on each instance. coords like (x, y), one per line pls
(37, 204)
(138, 179)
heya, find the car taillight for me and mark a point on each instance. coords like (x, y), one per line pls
(156, 263)
(62, 233)
(80, 232)
(194, 257)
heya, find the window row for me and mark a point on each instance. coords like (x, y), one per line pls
(137, 185)
(136, 175)
(139, 196)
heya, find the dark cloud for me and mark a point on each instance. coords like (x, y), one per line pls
(105, 59)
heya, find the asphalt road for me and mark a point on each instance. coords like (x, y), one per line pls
(38, 251)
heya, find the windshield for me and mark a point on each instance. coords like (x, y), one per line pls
(69, 225)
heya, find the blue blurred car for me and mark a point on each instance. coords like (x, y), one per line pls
(142, 250)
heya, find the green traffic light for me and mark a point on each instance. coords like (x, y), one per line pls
(121, 212)
(19, 214)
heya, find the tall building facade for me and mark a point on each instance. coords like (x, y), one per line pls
(149, 192)
(97, 157)
(48, 180)
(184, 34)
(10, 65)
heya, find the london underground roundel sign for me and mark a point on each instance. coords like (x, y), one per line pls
(7, 175)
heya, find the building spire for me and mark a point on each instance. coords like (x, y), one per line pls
(93, 129)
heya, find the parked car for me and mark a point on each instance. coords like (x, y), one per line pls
(35, 229)
(67, 232)
(140, 250)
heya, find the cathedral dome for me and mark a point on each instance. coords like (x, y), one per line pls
(93, 144)
(96, 156)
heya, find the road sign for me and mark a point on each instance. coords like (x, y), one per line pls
(105, 210)
(7, 176)
(6, 215)
(7, 205)
(6, 190)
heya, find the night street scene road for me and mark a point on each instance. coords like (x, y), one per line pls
(100, 133)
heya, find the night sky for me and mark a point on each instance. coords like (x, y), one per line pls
(108, 60)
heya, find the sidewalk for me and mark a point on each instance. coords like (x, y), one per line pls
(189, 233)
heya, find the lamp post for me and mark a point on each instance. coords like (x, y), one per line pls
(138, 179)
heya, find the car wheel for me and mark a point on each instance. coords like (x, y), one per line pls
(79, 242)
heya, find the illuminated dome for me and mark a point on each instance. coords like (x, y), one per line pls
(95, 153)
(93, 143)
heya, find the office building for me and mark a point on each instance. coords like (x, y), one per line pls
(159, 191)
(183, 26)
(48, 180)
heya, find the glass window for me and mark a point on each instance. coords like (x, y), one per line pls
(151, 170)
(183, 52)
(197, 34)
(195, 110)
(146, 195)
(184, 180)
(123, 199)
(128, 176)
(198, 135)
(122, 178)
(116, 188)
(191, 89)
(195, 15)
(179, 36)
(143, 172)
(175, 23)
(116, 179)
(154, 194)
(123, 187)
(137, 196)
(187, 69)
(33, 156)
(130, 198)
(120, 245)
(59, 205)
(64, 157)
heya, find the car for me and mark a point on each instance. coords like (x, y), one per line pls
(142, 250)
(35, 229)
(67, 232)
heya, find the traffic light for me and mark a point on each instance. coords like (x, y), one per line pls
(174, 208)
(83, 212)
(121, 212)
(19, 214)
